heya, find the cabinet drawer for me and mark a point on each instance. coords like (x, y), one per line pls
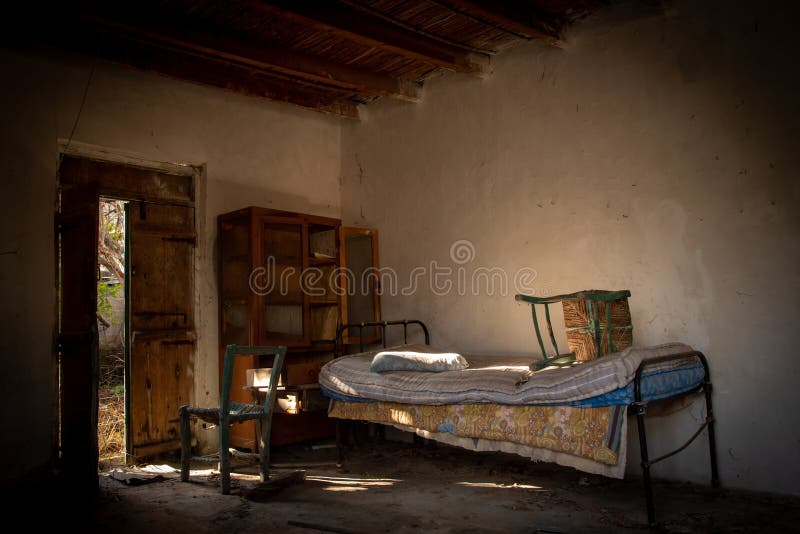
(302, 373)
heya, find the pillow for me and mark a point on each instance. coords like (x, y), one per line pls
(406, 360)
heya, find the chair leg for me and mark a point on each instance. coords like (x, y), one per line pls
(186, 442)
(224, 455)
(266, 426)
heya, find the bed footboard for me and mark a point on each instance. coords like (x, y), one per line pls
(639, 408)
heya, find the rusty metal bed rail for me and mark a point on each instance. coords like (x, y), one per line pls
(639, 408)
(380, 324)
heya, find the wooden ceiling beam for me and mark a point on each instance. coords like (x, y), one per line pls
(521, 21)
(377, 13)
(326, 16)
(267, 58)
(250, 82)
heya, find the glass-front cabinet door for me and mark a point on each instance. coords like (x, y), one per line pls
(277, 281)
(235, 267)
(320, 283)
(360, 282)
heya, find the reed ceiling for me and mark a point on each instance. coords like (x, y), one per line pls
(327, 55)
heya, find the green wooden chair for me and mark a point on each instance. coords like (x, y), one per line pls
(597, 322)
(234, 412)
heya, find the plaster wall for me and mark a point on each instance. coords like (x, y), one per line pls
(249, 152)
(656, 151)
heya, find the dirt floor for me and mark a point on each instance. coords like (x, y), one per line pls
(397, 487)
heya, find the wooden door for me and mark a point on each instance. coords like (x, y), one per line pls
(162, 338)
(77, 228)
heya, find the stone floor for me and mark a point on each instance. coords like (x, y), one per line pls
(396, 487)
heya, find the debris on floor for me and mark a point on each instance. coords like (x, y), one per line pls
(136, 476)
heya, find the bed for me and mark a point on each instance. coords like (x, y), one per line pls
(573, 415)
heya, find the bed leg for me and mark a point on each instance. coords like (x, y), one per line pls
(648, 486)
(340, 441)
(380, 433)
(712, 439)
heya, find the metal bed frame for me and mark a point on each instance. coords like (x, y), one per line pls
(382, 324)
(638, 407)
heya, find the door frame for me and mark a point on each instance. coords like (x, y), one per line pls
(76, 352)
(197, 174)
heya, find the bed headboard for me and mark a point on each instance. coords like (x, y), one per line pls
(380, 324)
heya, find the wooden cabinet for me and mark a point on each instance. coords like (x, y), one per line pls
(290, 279)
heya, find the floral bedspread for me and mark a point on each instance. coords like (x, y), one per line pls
(592, 433)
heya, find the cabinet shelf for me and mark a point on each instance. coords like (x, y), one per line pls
(323, 301)
(283, 300)
(285, 261)
(322, 261)
(232, 298)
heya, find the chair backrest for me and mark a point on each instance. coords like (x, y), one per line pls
(585, 331)
(231, 352)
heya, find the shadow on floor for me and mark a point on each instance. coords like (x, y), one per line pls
(396, 487)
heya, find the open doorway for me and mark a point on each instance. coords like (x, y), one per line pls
(112, 313)
(119, 402)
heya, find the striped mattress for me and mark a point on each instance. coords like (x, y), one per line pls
(509, 381)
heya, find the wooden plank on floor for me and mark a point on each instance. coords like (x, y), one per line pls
(323, 528)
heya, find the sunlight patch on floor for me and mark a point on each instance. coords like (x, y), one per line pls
(351, 484)
(202, 472)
